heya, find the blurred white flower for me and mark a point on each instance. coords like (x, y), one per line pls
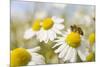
(87, 20)
(46, 29)
(81, 18)
(69, 45)
(22, 56)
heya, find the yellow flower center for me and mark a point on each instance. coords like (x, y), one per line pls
(20, 57)
(73, 39)
(47, 23)
(36, 25)
(92, 38)
(90, 57)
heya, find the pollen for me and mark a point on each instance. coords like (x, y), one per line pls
(73, 39)
(92, 38)
(47, 23)
(20, 57)
(90, 57)
(36, 25)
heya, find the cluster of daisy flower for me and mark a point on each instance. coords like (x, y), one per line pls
(68, 44)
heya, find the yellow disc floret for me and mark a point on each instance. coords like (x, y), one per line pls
(20, 57)
(92, 38)
(90, 57)
(47, 23)
(36, 25)
(73, 39)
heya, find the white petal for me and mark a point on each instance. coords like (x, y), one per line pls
(59, 49)
(45, 35)
(65, 34)
(31, 63)
(40, 35)
(82, 51)
(57, 44)
(47, 38)
(52, 35)
(82, 56)
(61, 39)
(71, 54)
(74, 57)
(57, 31)
(38, 59)
(68, 54)
(59, 26)
(29, 34)
(34, 49)
(63, 52)
(57, 19)
(46, 41)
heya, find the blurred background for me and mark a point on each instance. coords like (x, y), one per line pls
(23, 13)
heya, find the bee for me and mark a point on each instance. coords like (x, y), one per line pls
(75, 28)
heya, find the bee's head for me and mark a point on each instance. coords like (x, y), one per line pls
(75, 28)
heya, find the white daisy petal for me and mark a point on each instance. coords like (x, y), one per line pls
(59, 26)
(31, 63)
(71, 54)
(60, 40)
(68, 54)
(37, 58)
(63, 52)
(34, 49)
(82, 56)
(57, 31)
(65, 34)
(74, 56)
(40, 35)
(57, 19)
(46, 41)
(44, 36)
(60, 48)
(47, 38)
(57, 44)
(82, 52)
(52, 35)
(29, 34)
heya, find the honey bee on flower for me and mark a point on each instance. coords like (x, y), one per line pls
(65, 33)
(71, 44)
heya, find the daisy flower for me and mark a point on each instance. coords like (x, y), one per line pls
(91, 47)
(71, 44)
(45, 29)
(22, 57)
